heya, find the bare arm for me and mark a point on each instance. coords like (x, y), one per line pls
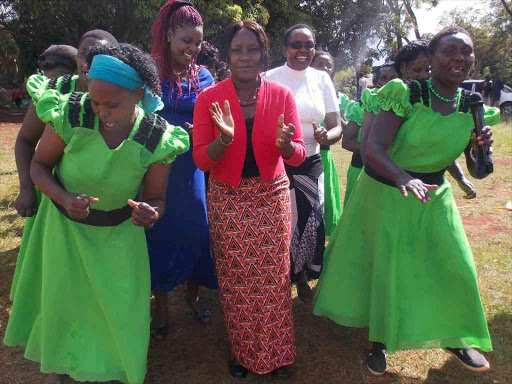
(152, 206)
(458, 174)
(349, 137)
(30, 132)
(49, 151)
(366, 128)
(332, 132)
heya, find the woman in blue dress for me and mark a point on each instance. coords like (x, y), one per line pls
(179, 244)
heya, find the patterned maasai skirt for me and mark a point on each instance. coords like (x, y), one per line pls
(250, 234)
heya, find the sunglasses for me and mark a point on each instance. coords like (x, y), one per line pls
(298, 45)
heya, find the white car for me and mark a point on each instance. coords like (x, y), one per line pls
(505, 98)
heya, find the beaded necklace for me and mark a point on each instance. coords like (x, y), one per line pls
(253, 98)
(429, 83)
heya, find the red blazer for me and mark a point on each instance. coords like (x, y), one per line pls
(273, 100)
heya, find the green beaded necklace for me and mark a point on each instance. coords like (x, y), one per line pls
(429, 83)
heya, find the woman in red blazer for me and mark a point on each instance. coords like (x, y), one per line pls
(244, 146)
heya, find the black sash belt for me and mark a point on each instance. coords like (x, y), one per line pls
(357, 160)
(99, 218)
(436, 178)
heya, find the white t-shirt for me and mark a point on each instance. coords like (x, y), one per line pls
(363, 83)
(314, 95)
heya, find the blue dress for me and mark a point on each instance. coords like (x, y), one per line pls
(179, 243)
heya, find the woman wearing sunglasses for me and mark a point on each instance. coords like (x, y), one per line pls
(316, 102)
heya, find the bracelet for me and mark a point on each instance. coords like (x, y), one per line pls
(223, 142)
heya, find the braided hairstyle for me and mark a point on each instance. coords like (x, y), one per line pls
(58, 56)
(137, 59)
(409, 53)
(174, 14)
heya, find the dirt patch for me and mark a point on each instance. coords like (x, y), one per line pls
(503, 161)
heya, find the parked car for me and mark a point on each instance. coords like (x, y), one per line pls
(505, 98)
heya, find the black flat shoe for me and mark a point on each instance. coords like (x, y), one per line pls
(281, 372)
(376, 361)
(236, 370)
(470, 358)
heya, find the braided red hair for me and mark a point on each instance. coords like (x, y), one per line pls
(172, 15)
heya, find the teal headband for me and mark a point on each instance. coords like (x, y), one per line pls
(115, 71)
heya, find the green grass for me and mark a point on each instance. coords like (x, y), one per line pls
(326, 352)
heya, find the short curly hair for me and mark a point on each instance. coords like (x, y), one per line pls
(255, 28)
(410, 52)
(453, 30)
(137, 59)
(208, 56)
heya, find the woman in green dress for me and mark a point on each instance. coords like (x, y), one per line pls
(323, 61)
(400, 263)
(86, 313)
(32, 129)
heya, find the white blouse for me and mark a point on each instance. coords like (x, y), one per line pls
(314, 95)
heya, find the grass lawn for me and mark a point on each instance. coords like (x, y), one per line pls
(326, 352)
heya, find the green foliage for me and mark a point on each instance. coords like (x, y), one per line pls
(345, 82)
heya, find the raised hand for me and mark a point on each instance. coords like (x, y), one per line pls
(320, 134)
(143, 214)
(77, 206)
(223, 120)
(284, 133)
(189, 127)
(419, 189)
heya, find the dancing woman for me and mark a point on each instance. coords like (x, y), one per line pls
(179, 244)
(32, 128)
(245, 129)
(85, 314)
(400, 263)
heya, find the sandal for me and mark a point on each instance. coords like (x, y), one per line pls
(203, 317)
(159, 333)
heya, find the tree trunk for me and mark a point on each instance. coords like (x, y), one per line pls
(507, 8)
(410, 11)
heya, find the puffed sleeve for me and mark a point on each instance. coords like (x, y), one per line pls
(491, 115)
(370, 101)
(343, 101)
(174, 141)
(51, 109)
(36, 86)
(395, 96)
(355, 113)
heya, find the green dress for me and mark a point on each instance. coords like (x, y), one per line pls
(355, 114)
(332, 202)
(82, 301)
(402, 268)
(36, 86)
